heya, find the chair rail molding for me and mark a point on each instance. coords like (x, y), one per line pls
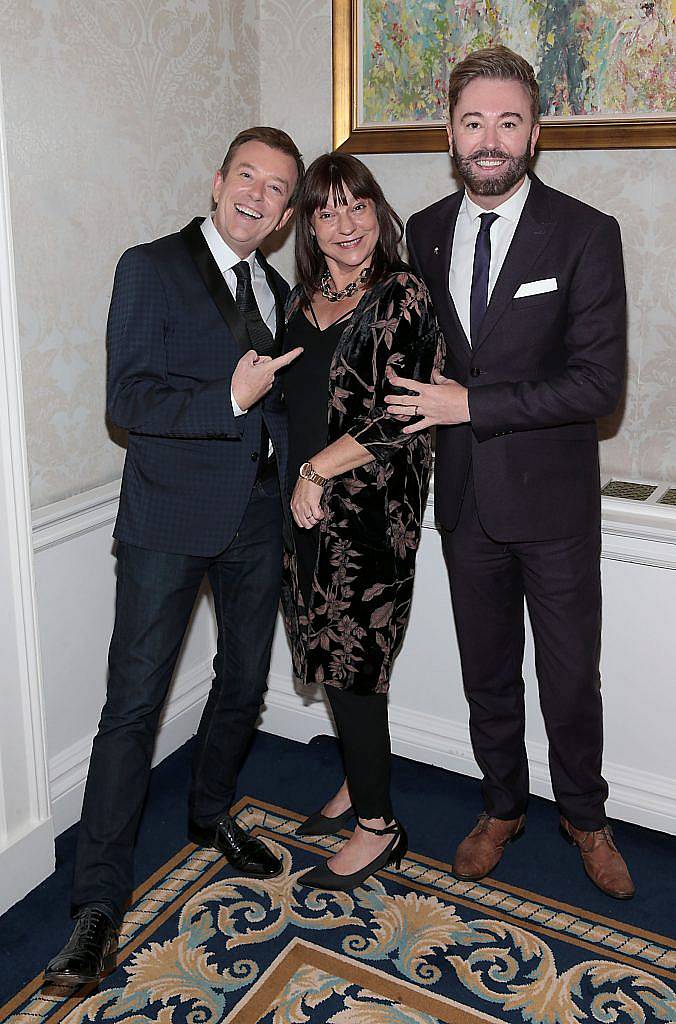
(631, 531)
(26, 828)
(72, 517)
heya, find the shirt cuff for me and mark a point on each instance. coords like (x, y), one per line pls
(236, 411)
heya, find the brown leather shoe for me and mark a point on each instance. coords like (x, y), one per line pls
(482, 849)
(602, 861)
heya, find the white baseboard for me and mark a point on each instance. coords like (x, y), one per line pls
(25, 863)
(639, 797)
(68, 770)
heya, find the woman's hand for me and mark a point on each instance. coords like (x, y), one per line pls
(306, 504)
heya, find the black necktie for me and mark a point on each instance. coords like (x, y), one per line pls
(261, 337)
(260, 334)
(478, 299)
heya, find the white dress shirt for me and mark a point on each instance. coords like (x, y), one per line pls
(226, 260)
(464, 240)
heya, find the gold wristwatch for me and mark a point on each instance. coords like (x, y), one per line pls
(306, 472)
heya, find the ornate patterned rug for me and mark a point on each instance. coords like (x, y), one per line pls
(415, 946)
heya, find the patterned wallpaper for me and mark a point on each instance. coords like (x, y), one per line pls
(117, 114)
(636, 186)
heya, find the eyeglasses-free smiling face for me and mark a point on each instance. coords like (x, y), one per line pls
(492, 138)
(347, 234)
(252, 198)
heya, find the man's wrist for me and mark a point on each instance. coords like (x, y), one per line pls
(236, 407)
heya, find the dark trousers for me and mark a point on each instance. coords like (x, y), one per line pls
(156, 593)
(364, 734)
(560, 580)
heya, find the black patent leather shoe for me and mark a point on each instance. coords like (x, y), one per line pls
(89, 953)
(322, 877)
(244, 852)
(319, 824)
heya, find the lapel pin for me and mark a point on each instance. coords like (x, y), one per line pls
(436, 250)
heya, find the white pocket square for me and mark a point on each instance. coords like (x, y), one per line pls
(548, 284)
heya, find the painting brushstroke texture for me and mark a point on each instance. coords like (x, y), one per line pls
(609, 58)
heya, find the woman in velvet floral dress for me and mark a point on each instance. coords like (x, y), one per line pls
(361, 487)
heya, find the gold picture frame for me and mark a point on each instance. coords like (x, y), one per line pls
(556, 133)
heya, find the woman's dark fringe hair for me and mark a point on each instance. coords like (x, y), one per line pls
(333, 174)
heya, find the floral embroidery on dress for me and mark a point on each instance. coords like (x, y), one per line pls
(369, 536)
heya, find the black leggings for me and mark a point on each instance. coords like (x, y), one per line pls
(364, 734)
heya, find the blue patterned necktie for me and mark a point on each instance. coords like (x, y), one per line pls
(478, 299)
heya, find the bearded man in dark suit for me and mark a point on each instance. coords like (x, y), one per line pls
(528, 286)
(194, 343)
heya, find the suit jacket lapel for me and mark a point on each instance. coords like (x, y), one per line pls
(279, 305)
(213, 279)
(533, 231)
(441, 265)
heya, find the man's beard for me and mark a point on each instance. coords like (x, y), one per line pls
(512, 172)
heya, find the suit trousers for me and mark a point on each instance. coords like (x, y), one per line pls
(156, 592)
(560, 581)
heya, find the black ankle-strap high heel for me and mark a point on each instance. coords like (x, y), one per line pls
(319, 824)
(322, 877)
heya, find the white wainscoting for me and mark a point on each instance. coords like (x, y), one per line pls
(75, 585)
(428, 713)
(75, 580)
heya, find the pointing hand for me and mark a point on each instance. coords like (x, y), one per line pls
(254, 375)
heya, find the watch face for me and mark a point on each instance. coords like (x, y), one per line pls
(303, 471)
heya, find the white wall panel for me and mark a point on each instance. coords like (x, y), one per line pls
(76, 581)
(428, 711)
(26, 830)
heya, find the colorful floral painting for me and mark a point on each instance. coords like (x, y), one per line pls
(604, 58)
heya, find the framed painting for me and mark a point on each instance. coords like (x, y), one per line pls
(606, 69)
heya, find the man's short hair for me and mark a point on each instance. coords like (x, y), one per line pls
(275, 138)
(497, 62)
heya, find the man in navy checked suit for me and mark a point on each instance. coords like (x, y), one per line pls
(190, 316)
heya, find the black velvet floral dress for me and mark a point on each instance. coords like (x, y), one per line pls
(361, 591)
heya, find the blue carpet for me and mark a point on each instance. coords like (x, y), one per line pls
(438, 807)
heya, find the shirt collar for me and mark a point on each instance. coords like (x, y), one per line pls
(511, 209)
(221, 251)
